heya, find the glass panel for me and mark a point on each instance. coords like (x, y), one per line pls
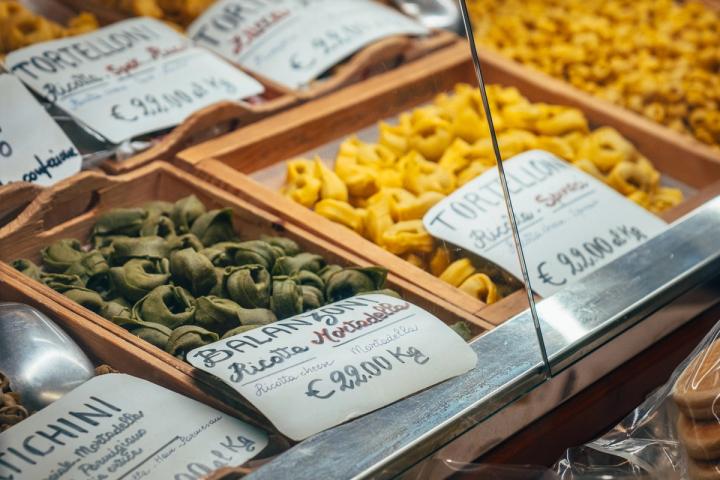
(598, 193)
(413, 142)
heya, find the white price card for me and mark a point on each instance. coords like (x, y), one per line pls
(130, 78)
(570, 223)
(120, 427)
(294, 41)
(319, 369)
(33, 148)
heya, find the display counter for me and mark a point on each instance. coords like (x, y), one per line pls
(467, 417)
(334, 269)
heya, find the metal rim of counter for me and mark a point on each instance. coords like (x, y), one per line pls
(582, 327)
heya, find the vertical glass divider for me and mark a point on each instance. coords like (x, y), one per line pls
(503, 182)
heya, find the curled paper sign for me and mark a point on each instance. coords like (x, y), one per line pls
(321, 368)
(293, 42)
(570, 223)
(33, 148)
(130, 78)
(120, 427)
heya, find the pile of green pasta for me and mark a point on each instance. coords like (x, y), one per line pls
(177, 275)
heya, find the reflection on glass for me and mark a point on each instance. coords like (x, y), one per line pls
(511, 217)
(588, 185)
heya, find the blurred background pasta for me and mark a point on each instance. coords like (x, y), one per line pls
(382, 190)
(20, 27)
(659, 58)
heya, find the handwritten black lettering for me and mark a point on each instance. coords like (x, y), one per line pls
(277, 357)
(379, 314)
(352, 377)
(586, 255)
(45, 165)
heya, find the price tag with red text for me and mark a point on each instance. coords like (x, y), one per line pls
(116, 427)
(570, 223)
(294, 41)
(337, 362)
(130, 78)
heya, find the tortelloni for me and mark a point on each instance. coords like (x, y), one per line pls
(179, 13)
(656, 57)
(198, 282)
(382, 190)
(20, 27)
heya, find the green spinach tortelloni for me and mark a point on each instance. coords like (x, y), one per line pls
(178, 276)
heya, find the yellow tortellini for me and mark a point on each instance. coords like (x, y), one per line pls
(332, 186)
(382, 190)
(657, 57)
(378, 219)
(439, 261)
(302, 184)
(20, 27)
(365, 168)
(179, 13)
(457, 272)
(430, 134)
(481, 286)
(408, 236)
(415, 207)
(421, 175)
(342, 212)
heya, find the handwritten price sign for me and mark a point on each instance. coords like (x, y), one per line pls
(120, 427)
(271, 37)
(352, 377)
(575, 261)
(130, 78)
(33, 148)
(570, 223)
(138, 108)
(337, 362)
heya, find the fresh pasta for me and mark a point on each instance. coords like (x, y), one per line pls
(176, 12)
(382, 190)
(20, 27)
(178, 276)
(659, 58)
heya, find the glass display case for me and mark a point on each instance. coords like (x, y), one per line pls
(383, 166)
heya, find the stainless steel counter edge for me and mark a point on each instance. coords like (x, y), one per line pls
(575, 322)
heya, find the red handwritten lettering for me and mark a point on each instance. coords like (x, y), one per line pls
(250, 34)
(554, 198)
(337, 333)
(156, 52)
(124, 68)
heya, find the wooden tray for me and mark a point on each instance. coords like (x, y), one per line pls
(104, 347)
(14, 197)
(214, 120)
(206, 123)
(225, 160)
(70, 208)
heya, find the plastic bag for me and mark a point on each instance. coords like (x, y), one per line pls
(674, 433)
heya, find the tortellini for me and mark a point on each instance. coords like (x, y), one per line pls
(179, 13)
(20, 27)
(199, 281)
(382, 190)
(656, 57)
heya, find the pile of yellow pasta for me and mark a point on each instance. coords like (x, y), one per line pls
(382, 190)
(177, 12)
(659, 58)
(20, 27)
